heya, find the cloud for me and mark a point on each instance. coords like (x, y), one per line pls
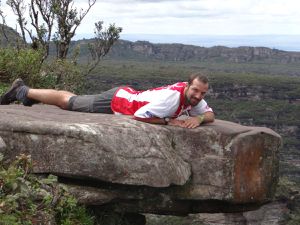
(195, 16)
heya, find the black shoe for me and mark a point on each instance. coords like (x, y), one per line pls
(10, 95)
(29, 102)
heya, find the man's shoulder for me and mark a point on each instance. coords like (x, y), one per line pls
(177, 86)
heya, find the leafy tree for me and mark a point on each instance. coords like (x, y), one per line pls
(68, 19)
(104, 40)
(59, 20)
(44, 14)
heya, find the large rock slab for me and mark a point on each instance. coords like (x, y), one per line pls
(104, 147)
(131, 160)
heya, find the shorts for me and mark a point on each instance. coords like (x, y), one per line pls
(100, 103)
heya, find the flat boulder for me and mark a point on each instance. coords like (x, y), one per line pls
(160, 169)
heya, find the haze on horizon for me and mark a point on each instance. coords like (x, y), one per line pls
(221, 22)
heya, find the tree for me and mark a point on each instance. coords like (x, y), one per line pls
(19, 9)
(104, 40)
(68, 19)
(58, 20)
(44, 14)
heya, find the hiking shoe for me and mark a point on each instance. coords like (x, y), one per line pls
(29, 102)
(11, 95)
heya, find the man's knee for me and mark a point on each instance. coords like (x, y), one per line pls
(65, 99)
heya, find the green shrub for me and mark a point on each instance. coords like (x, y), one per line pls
(27, 64)
(24, 63)
(288, 191)
(3, 88)
(25, 199)
(63, 75)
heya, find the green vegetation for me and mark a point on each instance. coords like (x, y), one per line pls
(289, 192)
(3, 88)
(25, 199)
(218, 73)
(270, 113)
(25, 63)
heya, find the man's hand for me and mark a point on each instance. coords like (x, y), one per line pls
(174, 122)
(191, 122)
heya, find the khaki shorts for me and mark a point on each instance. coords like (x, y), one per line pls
(93, 103)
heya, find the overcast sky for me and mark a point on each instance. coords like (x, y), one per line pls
(213, 17)
(191, 17)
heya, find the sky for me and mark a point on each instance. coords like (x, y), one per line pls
(190, 17)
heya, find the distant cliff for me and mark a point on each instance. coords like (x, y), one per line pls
(180, 52)
(144, 50)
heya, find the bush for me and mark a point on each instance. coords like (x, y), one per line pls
(3, 88)
(27, 64)
(25, 199)
(24, 63)
(63, 75)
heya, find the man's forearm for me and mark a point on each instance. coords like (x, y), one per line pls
(154, 120)
(192, 122)
(208, 117)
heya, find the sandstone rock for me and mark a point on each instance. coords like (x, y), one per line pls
(103, 147)
(269, 214)
(273, 213)
(126, 164)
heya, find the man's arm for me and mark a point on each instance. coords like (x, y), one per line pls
(195, 121)
(156, 120)
(191, 122)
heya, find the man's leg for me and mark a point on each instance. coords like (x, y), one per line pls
(19, 91)
(51, 97)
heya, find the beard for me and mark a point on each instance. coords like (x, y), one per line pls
(193, 101)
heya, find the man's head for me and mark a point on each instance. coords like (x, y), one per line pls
(196, 89)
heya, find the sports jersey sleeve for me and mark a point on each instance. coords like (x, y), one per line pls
(201, 108)
(163, 103)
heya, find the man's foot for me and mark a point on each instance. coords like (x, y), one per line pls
(29, 102)
(10, 95)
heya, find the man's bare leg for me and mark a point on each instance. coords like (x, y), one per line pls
(51, 97)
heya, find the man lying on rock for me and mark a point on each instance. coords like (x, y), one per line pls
(161, 105)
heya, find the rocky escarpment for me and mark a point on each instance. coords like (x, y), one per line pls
(117, 163)
(181, 52)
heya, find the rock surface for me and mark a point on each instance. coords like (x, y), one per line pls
(269, 214)
(273, 213)
(126, 164)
